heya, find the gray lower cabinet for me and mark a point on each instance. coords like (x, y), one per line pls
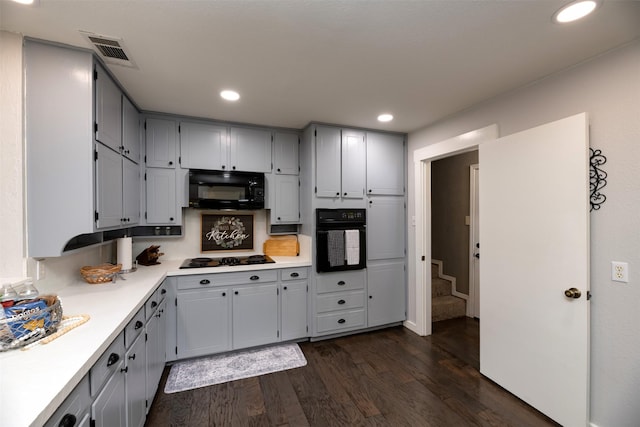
(135, 382)
(255, 315)
(339, 302)
(386, 292)
(215, 313)
(203, 321)
(155, 348)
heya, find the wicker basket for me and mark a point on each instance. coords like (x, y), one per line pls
(30, 322)
(102, 273)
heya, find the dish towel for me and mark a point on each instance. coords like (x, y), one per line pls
(352, 244)
(335, 247)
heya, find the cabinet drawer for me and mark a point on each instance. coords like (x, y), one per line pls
(133, 328)
(336, 322)
(339, 301)
(108, 363)
(75, 406)
(342, 281)
(225, 279)
(294, 273)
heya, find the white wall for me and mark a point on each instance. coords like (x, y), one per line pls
(608, 89)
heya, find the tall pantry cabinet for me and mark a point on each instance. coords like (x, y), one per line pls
(357, 169)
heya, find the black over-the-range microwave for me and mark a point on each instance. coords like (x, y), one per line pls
(226, 190)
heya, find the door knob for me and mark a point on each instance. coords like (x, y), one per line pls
(573, 293)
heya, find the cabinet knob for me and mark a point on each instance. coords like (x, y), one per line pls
(285, 288)
(278, 169)
(278, 218)
(254, 278)
(224, 294)
(337, 194)
(69, 420)
(113, 359)
(233, 167)
(171, 219)
(345, 194)
(223, 166)
(170, 163)
(369, 190)
(370, 296)
(236, 292)
(341, 283)
(370, 202)
(205, 281)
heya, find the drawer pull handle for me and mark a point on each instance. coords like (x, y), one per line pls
(69, 420)
(341, 283)
(153, 304)
(341, 321)
(113, 359)
(294, 275)
(138, 325)
(254, 278)
(205, 281)
(224, 294)
(163, 291)
(341, 302)
(236, 292)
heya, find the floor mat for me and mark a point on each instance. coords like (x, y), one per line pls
(218, 369)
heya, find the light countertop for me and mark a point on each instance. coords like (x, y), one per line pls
(34, 382)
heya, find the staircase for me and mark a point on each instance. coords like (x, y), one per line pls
(444, 305)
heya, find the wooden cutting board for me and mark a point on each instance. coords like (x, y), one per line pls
(281, 246)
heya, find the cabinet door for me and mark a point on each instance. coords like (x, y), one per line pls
(135, 381)
(387, 293)
(108, 110)
(108, 187)
(155, 350)
(286, 147)
(131, 192)
(385, 164)
(203, 322)
(353, 164)
(203, 146)
(385, 228)
(161, 143)
(287, 203)
(255, 315)
(293, 303)
(327, 162)
(250, 150)
(109, 408)
(161, 196)
(130, 131)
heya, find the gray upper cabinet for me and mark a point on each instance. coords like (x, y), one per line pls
(385, 164)
(327, 161)
(340, 163)
(108, 187)
(160, 143)
(286, 207)
(203, 146)
(385, 228)
(285, 149)
(161, 203)
(250, 150)
(353, 164)
(130, 192)
(130, 131)
(108, 126)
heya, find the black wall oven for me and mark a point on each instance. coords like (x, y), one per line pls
(341, 242)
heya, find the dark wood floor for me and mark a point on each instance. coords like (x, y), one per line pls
(390, 377)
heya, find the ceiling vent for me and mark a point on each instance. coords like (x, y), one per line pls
(110, 49)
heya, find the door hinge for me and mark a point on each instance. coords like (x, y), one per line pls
(176, 302)
(146, 337)
(92, 422)
(146, 403)
(96, 215)
(180, 160)
(422, 258)
(145, 125)
(95, 127)
(271, 165)
(95, 155)
(298, 140)
(588, 295)
(278, 334)
(145, 215)
(307, 328)
(95, 74)
(179, 128)
(315, 190)
(176, 349)
(271, 137)
(277, 291)
(145, 176)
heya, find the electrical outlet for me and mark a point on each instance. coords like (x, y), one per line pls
(620, 271)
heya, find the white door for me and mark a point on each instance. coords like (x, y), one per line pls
(474, 242)
(534, 229)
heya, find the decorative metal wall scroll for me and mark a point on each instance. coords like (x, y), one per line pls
(597, 178)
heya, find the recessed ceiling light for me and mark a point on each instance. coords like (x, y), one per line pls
(386, 117)
(575, 10)
(230, 95)
(24, 1)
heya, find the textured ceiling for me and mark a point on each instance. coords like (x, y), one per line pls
(343, 62)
